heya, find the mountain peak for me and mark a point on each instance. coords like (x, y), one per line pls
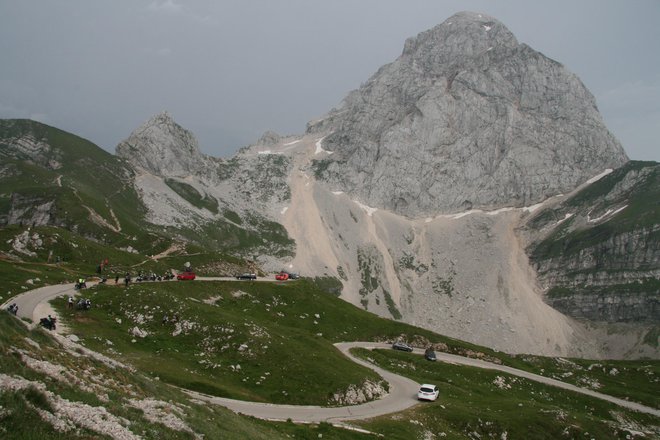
(163, 147)
(163, 117)
(462, 36)
(466, 118)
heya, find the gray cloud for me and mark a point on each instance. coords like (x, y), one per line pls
(231, 70)
(167, 6)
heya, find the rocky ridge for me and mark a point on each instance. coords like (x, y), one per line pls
(597, 252)
(465, 118)
(181, 187)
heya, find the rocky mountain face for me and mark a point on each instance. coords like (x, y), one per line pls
(163, 147)
(219, 203)
(465, 118)
(415, 195)
(597, 253)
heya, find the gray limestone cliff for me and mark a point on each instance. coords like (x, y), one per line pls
(163, 147)
(465, 118)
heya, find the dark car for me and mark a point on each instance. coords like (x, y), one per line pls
(402, 346)
(247, 276)
(429, 355)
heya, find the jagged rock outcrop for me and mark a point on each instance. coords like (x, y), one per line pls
(269, 138)
(465, 118)
(356, 395)
(163, 147)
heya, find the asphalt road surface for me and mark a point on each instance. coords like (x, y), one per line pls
(402, 394)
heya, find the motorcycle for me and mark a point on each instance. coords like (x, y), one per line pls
(48, 323)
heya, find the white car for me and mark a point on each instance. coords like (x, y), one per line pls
(428, 392)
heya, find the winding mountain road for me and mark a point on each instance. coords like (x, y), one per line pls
(402, 391)
(402, 395)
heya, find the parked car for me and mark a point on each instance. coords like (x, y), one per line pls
(428, 392)
(282, 276)
(429, 355)
(292, 275)
(186, 276)
(401, 346)
(247, 276)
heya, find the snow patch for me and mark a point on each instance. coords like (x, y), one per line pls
(369, 210)
(533, 207)
(337, 193)
(487, 27)
(494, 212)
(499, 211)
(461, 214)
(566, 217)
(284, 210)
(291, 143)
(319, 148)
(608, 213)
(599, 176)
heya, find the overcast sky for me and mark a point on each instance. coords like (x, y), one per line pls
(228, 70)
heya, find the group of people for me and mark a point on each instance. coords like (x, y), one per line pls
(145, 277)
(153, 277)
(82, 304)
(13, 309)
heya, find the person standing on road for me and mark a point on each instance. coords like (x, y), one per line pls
(127, 280)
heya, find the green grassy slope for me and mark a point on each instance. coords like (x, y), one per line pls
(77, 176)
(71, 390)
(288, 356)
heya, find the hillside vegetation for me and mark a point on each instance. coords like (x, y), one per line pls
(51, 177)
(54, 389)
(476, 404)
(281, 336)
